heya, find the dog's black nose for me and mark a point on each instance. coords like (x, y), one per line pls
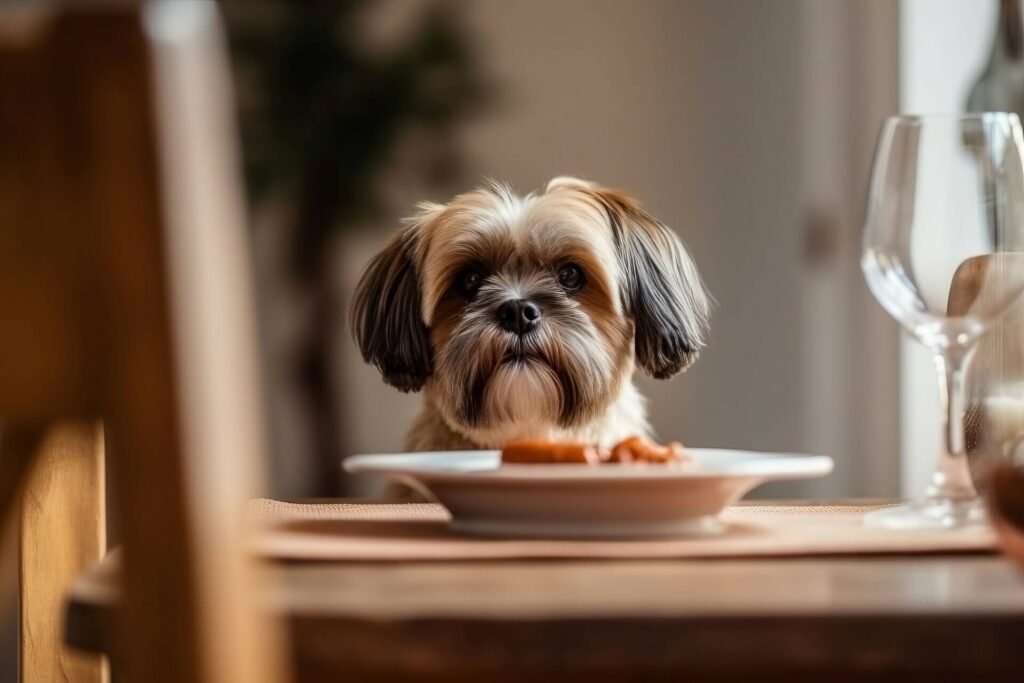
(519, 316)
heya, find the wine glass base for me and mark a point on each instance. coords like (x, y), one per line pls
(929, 514)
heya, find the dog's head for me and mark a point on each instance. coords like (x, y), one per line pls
(529, 309)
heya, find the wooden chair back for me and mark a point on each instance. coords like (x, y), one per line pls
(125, 299)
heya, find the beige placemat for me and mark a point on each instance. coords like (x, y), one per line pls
(419, 531)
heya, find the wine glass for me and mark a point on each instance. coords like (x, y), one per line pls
(941, 253)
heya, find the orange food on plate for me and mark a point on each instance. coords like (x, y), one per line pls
(632, 450)
(538, 451)
(636, 449)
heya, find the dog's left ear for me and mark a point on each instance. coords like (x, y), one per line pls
(662, 289)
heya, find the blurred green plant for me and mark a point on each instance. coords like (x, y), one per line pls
(323, 114)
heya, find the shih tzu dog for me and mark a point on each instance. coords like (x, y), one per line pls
(523, 317)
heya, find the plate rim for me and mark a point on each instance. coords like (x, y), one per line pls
(800, 466)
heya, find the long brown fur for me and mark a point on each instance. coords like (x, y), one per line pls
(641, 303)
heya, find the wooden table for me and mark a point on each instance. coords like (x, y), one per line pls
(806, 619)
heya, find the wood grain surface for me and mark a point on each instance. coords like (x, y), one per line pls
(814, 619)
(63, 530)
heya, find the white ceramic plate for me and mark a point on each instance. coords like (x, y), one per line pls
(610, 501)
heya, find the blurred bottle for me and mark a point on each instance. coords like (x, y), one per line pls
(1000, 87)
(994, 420)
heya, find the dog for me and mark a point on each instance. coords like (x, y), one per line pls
(525, 316)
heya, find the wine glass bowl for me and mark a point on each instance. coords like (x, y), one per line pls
(943, 236)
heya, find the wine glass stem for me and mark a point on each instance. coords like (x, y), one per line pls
(952, 478)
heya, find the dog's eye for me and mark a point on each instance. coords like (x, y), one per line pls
(468, 281)
(570, 277)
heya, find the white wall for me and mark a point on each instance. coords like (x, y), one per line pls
(944, 44)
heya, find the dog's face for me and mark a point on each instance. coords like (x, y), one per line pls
(529, 310)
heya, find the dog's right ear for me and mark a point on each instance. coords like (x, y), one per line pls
(387, 317)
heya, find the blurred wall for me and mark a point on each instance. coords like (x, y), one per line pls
(700, 110)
